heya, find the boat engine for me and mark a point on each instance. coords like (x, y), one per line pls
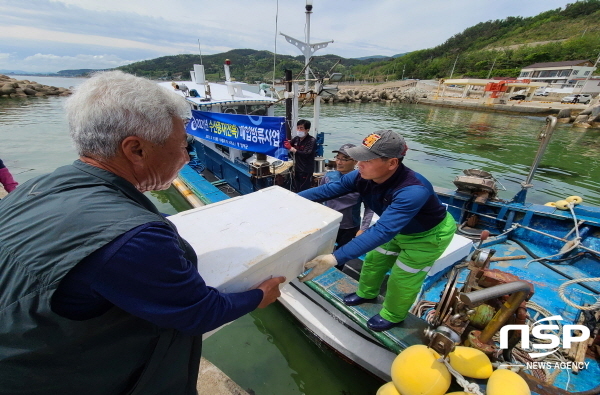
(479, 183)
(473, 314)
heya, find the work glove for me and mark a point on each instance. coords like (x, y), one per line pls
(319, 265)
(287, 144)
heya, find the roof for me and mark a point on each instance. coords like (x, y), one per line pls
(219, 94)
(557, 64)
(482, 82)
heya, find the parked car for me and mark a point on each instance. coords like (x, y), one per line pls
(579, 98)
(541, 93)
(518, 97)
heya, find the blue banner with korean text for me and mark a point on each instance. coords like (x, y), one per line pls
(260, 134)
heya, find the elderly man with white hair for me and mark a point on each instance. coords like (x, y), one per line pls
(98, 292)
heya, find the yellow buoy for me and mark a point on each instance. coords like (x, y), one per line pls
(504, 381)
(471, 362)
(416, 371)
(562, 205)
(388, 389)
(574, 199)
(459, 393)
(551, 204)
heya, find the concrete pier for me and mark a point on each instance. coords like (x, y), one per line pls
(212, 381)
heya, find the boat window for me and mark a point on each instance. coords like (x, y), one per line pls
(222, 148)
(260, 109)
(257, 110)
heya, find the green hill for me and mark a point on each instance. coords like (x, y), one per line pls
(247, 65)
(502, 46)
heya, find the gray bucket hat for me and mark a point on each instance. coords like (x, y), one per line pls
(344, 149)
(380, 144)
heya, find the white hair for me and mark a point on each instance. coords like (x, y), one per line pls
(113, 105)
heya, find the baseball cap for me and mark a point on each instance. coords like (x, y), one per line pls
(383, 143)
(343, 149)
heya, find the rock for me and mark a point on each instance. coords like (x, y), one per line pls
(11, 87)
(7, 90)
(564, 115)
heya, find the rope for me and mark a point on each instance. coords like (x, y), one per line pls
(561, 293)
(575, 242)
(470, 388)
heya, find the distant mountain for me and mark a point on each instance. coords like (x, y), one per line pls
(21, 72)
(76, 73)
(381, 57)
(373, 57)
(62, 73)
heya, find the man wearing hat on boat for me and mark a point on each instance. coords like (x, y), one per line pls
(350, 204)
(412, 232)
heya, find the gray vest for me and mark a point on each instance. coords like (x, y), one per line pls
(47, 226)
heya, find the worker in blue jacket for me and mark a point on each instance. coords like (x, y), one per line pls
(99, 294)
(349, 205)
(413, 230)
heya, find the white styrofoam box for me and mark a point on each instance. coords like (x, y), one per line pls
(241, 242)
(458, 249)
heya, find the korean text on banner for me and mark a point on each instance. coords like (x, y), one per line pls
(260, 134)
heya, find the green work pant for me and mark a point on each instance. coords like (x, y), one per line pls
(410, 257)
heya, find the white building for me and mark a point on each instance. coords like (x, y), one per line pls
(562, 77)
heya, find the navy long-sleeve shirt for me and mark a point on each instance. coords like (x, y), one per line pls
(406, 203)
(145, 273)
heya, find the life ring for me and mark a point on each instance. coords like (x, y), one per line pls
(574, 199)
(562, 205)
(551, 204)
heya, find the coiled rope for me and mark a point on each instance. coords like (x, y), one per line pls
(563, 286)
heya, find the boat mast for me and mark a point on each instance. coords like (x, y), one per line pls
(308, 50)
(306, 59)
(306, 47)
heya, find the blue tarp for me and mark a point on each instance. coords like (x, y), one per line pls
(260, 134)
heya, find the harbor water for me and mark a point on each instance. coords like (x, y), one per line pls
(267, 351)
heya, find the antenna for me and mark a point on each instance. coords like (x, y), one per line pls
(200, 50)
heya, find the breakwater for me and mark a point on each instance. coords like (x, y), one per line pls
(374, 95)
(11, 87)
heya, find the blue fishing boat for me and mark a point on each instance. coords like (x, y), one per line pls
(520, 282)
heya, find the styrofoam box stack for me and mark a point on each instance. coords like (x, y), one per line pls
(245, 240)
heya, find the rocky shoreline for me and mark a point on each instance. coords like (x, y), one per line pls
(13, 88)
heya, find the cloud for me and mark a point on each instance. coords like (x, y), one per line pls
(142, 29)
(42, 63)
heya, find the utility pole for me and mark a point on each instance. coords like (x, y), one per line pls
(452, 73)
(403, 68)
(490, 73)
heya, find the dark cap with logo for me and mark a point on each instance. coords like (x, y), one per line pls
(380, 144)
(344, 149)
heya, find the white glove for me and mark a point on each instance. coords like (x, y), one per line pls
(319, 265)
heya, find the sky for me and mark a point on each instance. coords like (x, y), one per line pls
(52, 35)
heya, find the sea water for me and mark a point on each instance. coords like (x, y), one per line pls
(267, 351)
